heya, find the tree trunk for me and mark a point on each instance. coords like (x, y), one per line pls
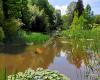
(5, 9)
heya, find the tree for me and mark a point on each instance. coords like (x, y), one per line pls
(1, 13)
(65, 19)
(79, 7)
(14, 8)
(75, 24)
(11, 27)
(82, 22)
(71, 8)
(70, 12)
(48, 9)
(58, 20)
(97, 19)
(31, 16)
(2, 35)
(88, 15)
(5, 9)
(39, 20)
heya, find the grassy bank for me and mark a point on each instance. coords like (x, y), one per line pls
(24, 37)
(34, 37)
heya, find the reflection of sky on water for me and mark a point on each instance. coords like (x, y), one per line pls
(62, 55)
(60, 63)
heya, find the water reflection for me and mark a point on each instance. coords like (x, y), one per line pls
(11, 49)
(67, 57)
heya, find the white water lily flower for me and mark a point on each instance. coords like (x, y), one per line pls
(20, 74)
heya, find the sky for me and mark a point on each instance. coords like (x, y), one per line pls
(62, 5)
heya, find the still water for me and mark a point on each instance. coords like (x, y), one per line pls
(64, 56)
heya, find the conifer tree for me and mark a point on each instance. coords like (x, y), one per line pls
(79, 7)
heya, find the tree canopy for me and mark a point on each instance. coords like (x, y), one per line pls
(79, 7)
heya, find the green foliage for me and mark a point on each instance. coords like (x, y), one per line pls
(58, 20)
(75, 24)
(37, 15)
(89, 18)
(82, 22)
(2, 36)
(3, 74)
(97, 19)
(11, 28)
(39, 74)
(48, 9)
(83, 34)
(70, 12)
(39, 20)
(26, 14)
(29, 37)
(14, 8)
(79, 7)
(1, 13)
(30, 14)
(33, 17)
(65, 19)
(85, 21)
(71, 8)
(18, 12)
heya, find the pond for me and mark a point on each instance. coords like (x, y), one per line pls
(70, 58)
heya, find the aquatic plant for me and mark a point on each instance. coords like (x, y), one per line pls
(3, 74)
(39, 74)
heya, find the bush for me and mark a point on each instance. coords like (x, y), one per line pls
(11, 28)
(35, 19)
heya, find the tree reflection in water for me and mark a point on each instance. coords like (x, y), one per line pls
(66, 56)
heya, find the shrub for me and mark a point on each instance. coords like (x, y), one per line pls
(11, 28)
(35, 19)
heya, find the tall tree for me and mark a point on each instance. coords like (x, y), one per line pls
(1, 13)
(75, 24)
(39, 20)
(65, 19)
(79, 7)
(70, 12)
(14, 8)
(48, 9)
(88, 15)
(5, 8)
(97, 19)
(71, 8)
(58, 20)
